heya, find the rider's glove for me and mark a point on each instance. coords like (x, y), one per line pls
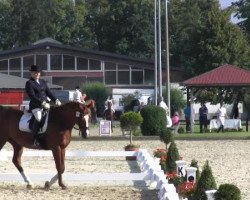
(58, 102)
(46, 105)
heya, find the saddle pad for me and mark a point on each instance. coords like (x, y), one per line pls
(24, 123)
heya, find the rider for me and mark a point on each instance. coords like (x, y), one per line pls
(109, 99)
(78, 97)
(38, 92)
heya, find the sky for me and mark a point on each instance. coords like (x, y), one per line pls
(226, 3)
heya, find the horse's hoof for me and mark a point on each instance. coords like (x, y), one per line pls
(46, 185)
(64, 187)
(29, 186)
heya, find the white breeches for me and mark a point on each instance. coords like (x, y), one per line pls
(37, 112)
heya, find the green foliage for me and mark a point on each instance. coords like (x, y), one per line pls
(166, 136)
(127, 100)
(228, 192)
(130, 121)
(98, 92)
(206, 182)
(172, 156)
(178, 101)
(154, 120)
(194, 163)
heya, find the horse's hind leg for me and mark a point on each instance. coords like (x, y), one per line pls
(18, 151)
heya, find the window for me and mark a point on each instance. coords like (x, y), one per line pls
(149, 77)
(82, 63)
(68, 62)
(41, 61)
(121, 66)
(110, 77)
(94, 64)
(3, 65)
(137, 77)
(27, 62)
(15, 64)
(123, 77)
(110, 66)
(56, 62)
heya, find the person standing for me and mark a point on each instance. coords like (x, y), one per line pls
(38, 92)
(222, 114)
(203, 111)
(187, 113)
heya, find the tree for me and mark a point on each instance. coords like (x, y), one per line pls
(26, 21)
(124, 27)
(204, 38)
(243, 13)
(98, 92)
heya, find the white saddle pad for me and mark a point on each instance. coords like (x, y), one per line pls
(24, 123)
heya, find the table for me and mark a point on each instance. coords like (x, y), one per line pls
(229, 123)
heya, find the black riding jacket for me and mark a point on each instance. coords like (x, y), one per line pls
(38, 92)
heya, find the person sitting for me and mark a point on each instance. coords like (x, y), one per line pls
(175, 122)
(111, 101)
(38, 92)
(78, 97)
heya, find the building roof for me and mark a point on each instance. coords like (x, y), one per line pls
(226, 75)
(14, 82)
(49, 42)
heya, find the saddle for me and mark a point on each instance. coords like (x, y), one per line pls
(27, 120)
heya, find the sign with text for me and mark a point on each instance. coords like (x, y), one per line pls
(105, 128)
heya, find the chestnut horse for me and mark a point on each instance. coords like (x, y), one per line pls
(93, 117)
(109, 114)
(57, 137)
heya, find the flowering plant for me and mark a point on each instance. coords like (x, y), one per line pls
(185, 189)
(162, 154)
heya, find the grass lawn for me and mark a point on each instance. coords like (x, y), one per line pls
(214, 135)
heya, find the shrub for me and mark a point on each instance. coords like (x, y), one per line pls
(166, 136)
(194, 163)
(205, 182)
(130, 121)
(98, 92)
(154, 120)
(172, 156)
(228, 192)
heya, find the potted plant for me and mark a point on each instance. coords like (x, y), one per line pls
(130, 121)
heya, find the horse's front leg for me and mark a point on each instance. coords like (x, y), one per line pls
(18, 151)
(59, 157)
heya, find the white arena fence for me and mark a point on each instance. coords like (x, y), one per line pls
(150, 170)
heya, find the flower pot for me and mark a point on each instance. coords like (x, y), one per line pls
(131, 148)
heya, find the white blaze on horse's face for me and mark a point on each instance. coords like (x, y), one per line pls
(86, 117)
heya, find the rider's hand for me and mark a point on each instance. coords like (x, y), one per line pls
(58, 102)
(46, 105)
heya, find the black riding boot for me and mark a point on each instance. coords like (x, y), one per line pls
(35, 129)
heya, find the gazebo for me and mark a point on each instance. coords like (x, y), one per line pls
(224, 76)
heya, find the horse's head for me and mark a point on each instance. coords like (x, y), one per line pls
(83, 116)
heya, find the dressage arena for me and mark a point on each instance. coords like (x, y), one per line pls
(229, 160)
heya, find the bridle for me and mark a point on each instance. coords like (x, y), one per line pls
(80, 117)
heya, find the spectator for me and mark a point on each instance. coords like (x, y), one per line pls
(203, 111)
(175, 119)
(163, 105)
(149, 101)
(187, 113)
(222, 114)
(175, 122)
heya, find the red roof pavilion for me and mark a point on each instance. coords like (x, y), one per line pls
(226, 75)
